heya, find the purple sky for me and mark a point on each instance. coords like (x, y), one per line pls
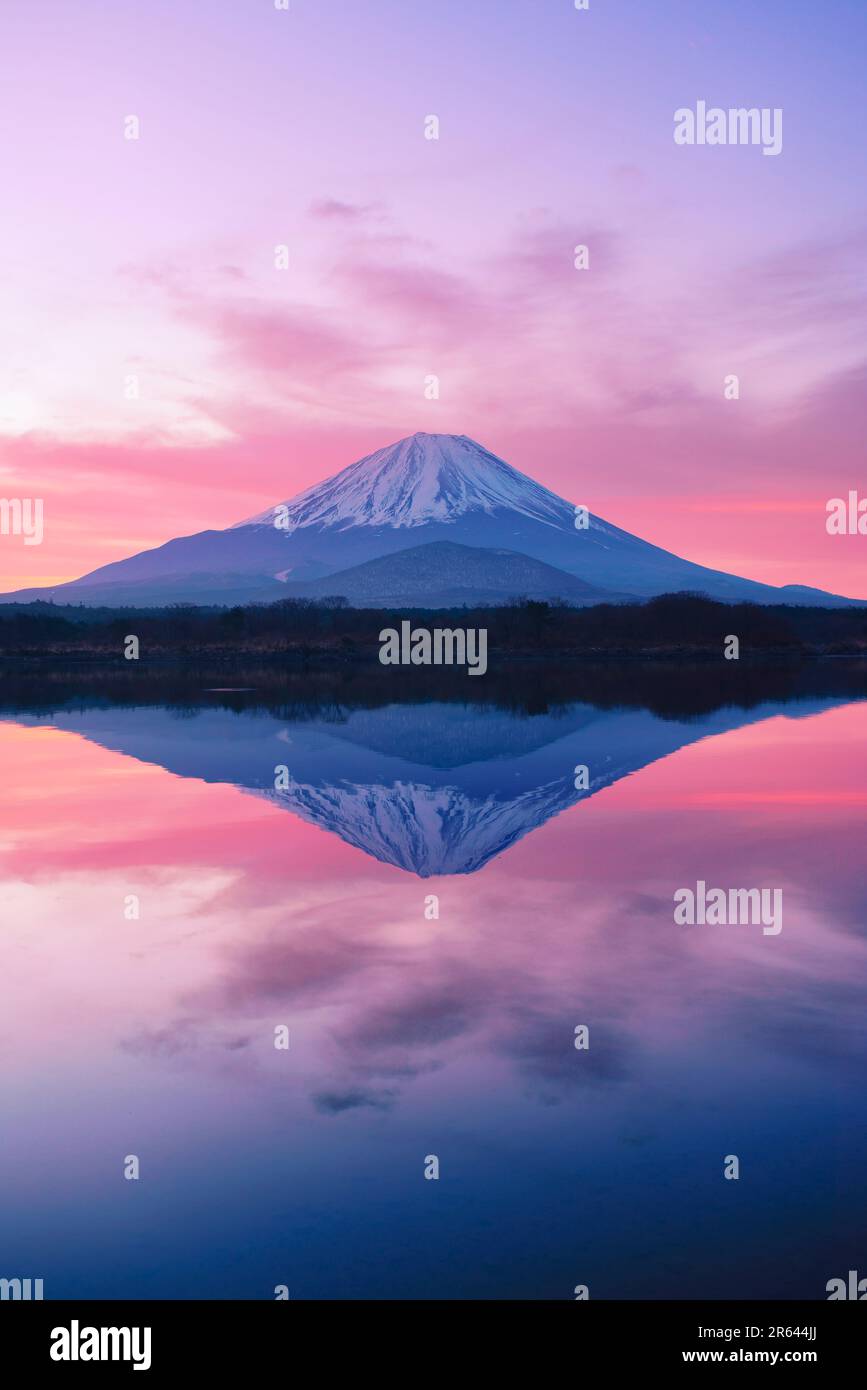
(154, 259)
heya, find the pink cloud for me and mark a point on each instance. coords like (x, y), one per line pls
(333, 209)
(568, 374)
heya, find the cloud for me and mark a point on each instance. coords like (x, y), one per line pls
(516, 332)
(615, 372)
(332, 209)
(433, 1015)
(541, 1044)
(295, 341)
(352, 1098)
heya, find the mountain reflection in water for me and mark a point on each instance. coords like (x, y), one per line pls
(431, 787)
(151, 1032)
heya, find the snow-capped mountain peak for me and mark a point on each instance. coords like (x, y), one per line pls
(420, 479)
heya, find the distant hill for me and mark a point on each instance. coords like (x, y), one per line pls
(445, 575)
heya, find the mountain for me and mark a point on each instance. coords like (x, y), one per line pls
(425, 478)
(444, 575)
(425, 489)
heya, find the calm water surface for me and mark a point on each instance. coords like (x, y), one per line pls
(305, 906)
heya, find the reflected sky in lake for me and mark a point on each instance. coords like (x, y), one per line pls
(305, 906)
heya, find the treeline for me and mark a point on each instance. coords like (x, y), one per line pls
(296, 690)
(673, 625)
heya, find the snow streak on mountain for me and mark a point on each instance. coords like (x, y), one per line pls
(427, 477)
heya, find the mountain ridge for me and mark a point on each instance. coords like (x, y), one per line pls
(442, 574)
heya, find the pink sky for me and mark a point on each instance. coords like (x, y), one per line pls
(155, 258)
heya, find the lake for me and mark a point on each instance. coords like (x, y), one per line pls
(419, 888)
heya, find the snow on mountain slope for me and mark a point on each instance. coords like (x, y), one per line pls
(427, 477)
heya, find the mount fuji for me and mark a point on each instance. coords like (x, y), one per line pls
(418, 493)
